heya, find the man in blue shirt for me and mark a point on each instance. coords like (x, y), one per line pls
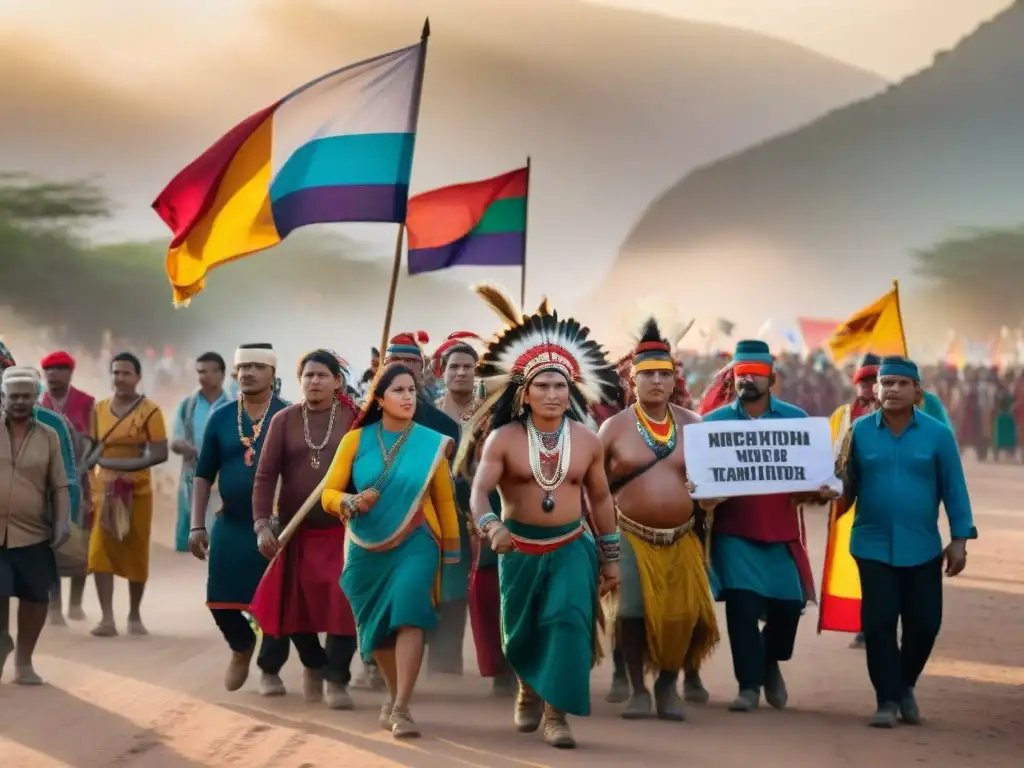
(901, 463)
(759, 563)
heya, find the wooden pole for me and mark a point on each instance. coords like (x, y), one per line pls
(899, 314)
(395, 269)
(526, 230)
(399, 240)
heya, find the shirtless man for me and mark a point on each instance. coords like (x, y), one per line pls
(667, 621)
(540, 456)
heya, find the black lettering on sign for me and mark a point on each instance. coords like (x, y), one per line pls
(762, 455)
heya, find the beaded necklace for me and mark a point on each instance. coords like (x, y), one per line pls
(560, 445)
(257, 427)
(660, 436)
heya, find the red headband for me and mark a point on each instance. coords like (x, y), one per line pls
(865, 372)
(59, 359)
(754, 369)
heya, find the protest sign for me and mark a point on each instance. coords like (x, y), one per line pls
(759, 457)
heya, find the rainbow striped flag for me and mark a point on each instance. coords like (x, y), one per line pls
(337, 149)
(481, 223)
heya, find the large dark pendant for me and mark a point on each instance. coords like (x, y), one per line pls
(548, 505)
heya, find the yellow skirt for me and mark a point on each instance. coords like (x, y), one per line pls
(678, 609)
(128, 558)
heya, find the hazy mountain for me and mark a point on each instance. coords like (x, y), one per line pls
(611, 105)
(823, 217)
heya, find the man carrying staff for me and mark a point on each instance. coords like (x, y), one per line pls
(545, 373)
(444, 644)
(666, 617)
(233, 440)
(759, 564)
(898, 466)
(865, 401)
(299, 596)
(34, 518)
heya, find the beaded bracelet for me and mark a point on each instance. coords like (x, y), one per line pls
(486, 520)
(609, 545)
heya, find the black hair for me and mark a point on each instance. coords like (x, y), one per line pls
(127, 357)
(213, 357)
(322, 356)
(465, 349)
(374, 352)
(261, 345)
(372, 412)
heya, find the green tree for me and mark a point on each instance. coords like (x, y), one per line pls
(977, 275)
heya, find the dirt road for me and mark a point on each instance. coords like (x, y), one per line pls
(157, 702)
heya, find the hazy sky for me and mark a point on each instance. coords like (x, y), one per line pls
(891, 37)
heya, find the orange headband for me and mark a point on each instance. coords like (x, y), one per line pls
(754, 369)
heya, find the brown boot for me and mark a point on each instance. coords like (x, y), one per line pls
(529, 709)
(556, 729)
(238, 669)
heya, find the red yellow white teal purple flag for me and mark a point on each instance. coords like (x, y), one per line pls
(337, 149)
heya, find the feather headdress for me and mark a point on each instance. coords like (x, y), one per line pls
(536, 344)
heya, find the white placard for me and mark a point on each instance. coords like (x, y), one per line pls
(759, 457)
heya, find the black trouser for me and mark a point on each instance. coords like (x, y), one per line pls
(235, 628)
(889, 595)
(754, 649)
(334, 657)
(445, 641)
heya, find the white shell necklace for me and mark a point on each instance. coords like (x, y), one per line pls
(562, 446)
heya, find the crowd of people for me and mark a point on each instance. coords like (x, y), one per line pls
(527, 487)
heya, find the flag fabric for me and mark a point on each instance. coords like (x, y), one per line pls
(876, 328)
(337, 149)
(481, 223)
(839, 607)
(816, 332)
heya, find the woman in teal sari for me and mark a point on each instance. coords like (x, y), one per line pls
(391, 484)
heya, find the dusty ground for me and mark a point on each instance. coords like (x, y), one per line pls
(157, 702)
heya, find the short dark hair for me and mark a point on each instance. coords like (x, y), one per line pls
(322, 356)
(127, 357)
(212, 357)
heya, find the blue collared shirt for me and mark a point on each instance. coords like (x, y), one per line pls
(777, 409)
(898, 482)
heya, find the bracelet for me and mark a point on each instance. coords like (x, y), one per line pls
(486, 521)
(196, 530)
(260, 524)
(610, 544)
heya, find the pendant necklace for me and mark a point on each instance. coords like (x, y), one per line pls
(257, 427)
(314, 462)
(560, 444)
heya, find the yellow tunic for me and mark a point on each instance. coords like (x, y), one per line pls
(129, 557)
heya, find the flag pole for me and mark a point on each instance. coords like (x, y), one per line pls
(526, 230)
(899, 314)
(400, 239)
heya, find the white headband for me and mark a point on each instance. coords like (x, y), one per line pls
(22, 372)
(255, 356)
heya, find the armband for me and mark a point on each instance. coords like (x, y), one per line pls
(487, 520)
(609, 544)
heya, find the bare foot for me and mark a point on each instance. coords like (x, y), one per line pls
(104, 629)
(76, 613)
(57, 619)
(137, 628)
(24, 674)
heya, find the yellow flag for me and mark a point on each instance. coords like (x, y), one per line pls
(877, 328)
